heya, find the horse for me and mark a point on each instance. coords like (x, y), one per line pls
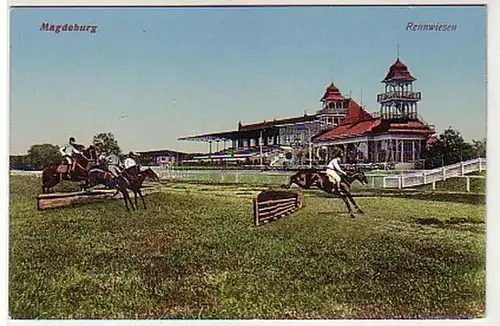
(132, 178)
(306, 178)
(100, 176)
(55, 173)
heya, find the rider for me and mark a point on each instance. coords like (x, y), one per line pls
(113, 164)
(67, 152)
(130, 161)
(333, 169)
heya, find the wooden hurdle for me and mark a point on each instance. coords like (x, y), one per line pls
(271, 205)
(55, 200)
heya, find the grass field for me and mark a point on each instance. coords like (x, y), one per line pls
(255, 178)
(196, 254)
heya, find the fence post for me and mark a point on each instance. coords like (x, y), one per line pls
(425, 177)
(444, 173)
(256, 211)
(480, 165)
(462, 167)
(373, 182)
(298, 202)
(383, 182)
(400, 182)
(468, 184)
(434, 185)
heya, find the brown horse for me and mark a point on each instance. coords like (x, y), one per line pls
(307, 178)
(53, 174)
(132, 178)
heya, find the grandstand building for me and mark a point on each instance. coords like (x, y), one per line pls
(295, 131)
(395, 134)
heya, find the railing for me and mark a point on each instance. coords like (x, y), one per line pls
(26, 173)
(278, 177)
(420, 178)
(224, 176)
(399, 95)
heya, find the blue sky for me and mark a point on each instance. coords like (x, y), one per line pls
(183, 71)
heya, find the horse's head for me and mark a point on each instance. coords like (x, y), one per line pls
(150, 175)
(359, 175)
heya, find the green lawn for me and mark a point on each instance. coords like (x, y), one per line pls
(196, 254)
(477, 185)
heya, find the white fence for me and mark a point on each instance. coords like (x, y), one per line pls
(424, 177)
(403, 180)
(27, 173)
(224, 176)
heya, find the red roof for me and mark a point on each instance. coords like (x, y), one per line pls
(368, 126)
(432, 140)
(398, 72)
(332, 93)
(408, 125)
(356, 113)
(350, 130)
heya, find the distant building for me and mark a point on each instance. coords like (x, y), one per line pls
(162, 157)
(293, 131)
(395, 134)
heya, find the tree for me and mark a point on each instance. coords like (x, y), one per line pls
(18, 162)
(41, 155)
(106, 142)
(433, 154)
(479, 147)
(449, 148)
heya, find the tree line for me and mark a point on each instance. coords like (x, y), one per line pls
(41, 155)
(447, 148)
(450, 147)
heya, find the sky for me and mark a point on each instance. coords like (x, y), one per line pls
(152, 75)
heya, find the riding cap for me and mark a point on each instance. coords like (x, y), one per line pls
(72, 139)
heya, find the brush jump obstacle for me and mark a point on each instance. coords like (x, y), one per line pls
(270, 205)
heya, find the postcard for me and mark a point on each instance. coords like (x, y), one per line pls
(247, 162)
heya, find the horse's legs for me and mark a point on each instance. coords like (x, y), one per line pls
(343, 194)
(142, 198)
(135, 198)
(127, 199)
(346, 190)
(126, 202)
(351, 199)
(346, 201)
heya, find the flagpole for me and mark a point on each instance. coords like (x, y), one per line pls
(310, 147)
(261, 158)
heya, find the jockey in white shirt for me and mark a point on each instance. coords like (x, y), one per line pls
(67, 152)
(129, 161)
(333, 168)
(113, 164)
